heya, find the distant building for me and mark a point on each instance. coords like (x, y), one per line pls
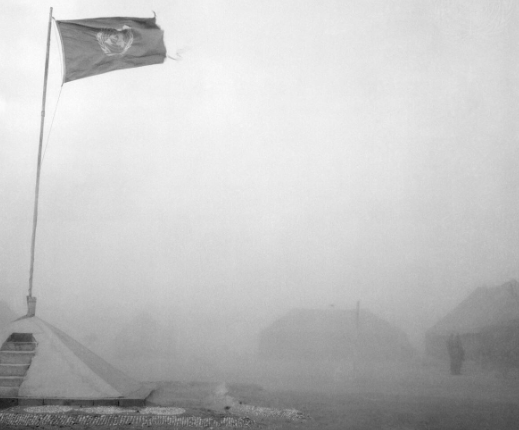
(488, 323)
(336, 334)
(145, 337)
(6, 314)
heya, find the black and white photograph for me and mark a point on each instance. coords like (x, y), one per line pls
(259, 214)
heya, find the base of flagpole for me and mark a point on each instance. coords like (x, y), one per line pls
(31, 306)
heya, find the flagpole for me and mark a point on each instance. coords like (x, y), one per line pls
(31, 301)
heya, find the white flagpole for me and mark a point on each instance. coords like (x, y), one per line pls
(31, 301)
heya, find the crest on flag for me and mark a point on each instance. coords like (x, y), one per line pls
(115, 41)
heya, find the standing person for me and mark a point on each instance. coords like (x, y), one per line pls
(459, 355)
(452, 353)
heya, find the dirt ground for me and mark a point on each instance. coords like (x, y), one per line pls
(335, 396)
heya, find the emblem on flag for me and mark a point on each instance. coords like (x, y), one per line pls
(115, 41)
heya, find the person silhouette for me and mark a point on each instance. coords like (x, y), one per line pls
(456, 353)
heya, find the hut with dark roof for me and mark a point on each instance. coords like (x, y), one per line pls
(333, 334)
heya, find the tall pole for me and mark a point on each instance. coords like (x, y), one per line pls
(31, 301)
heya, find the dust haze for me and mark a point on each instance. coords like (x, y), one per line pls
(300, 155)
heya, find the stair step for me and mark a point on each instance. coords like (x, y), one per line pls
(10, 381)
(13, 369)
(16, 357)
(9, 391)
(18, 346)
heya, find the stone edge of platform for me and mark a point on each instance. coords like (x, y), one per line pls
(9, 402)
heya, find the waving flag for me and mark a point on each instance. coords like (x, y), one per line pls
(101, 45)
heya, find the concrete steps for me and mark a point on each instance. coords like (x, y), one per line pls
(11, 381)
(9, 391)
(18, 346)
(13, 369)
(15, 358)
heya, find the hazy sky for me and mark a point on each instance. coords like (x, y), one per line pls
(301, 154)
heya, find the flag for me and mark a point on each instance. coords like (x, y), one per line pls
(101, 45)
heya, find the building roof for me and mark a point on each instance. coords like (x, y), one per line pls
(334, 333)
(332, 321)
(484, 307)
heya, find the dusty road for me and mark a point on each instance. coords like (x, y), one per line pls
(350, 411)
(333, 398)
